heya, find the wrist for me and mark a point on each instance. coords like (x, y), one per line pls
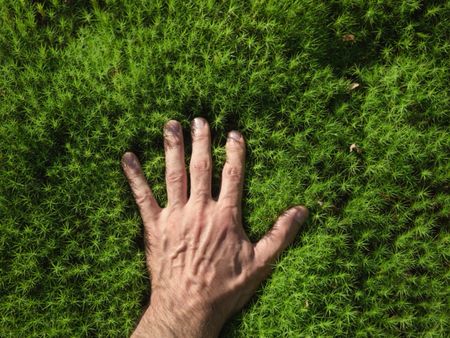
(170, 318)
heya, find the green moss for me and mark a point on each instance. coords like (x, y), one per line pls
(84, 81)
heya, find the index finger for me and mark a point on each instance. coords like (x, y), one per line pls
(148, 206)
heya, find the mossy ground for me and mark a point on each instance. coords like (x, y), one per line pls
(84, 81)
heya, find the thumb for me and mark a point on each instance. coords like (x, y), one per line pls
(268, 249)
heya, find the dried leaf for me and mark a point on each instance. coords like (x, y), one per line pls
(353, 86)
(348, 37)
(355, 147)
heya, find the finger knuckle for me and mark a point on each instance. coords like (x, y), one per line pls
(201, 165)
(233, 172)
(144, 197)
(174, 177)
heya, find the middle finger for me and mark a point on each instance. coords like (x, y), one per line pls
(176, 180)
(201, 161)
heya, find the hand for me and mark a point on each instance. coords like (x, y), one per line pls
(202, 265)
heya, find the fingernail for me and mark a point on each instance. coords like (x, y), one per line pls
(130, 160)
(234, 135)
(301, 215)
(172, 127)
(198, 123)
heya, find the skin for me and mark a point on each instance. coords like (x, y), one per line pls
(203, 267)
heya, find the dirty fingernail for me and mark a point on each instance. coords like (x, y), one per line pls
(234, 135)
(172, 127)
(301, 215)
(130, 160)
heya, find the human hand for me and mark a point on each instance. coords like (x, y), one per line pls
(202, 265)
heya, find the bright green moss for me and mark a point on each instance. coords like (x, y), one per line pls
(84, 81)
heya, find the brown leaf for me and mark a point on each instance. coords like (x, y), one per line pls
(348, 37)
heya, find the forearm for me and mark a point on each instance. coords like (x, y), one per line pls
(177, 321)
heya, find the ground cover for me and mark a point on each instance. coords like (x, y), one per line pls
(344, 106)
